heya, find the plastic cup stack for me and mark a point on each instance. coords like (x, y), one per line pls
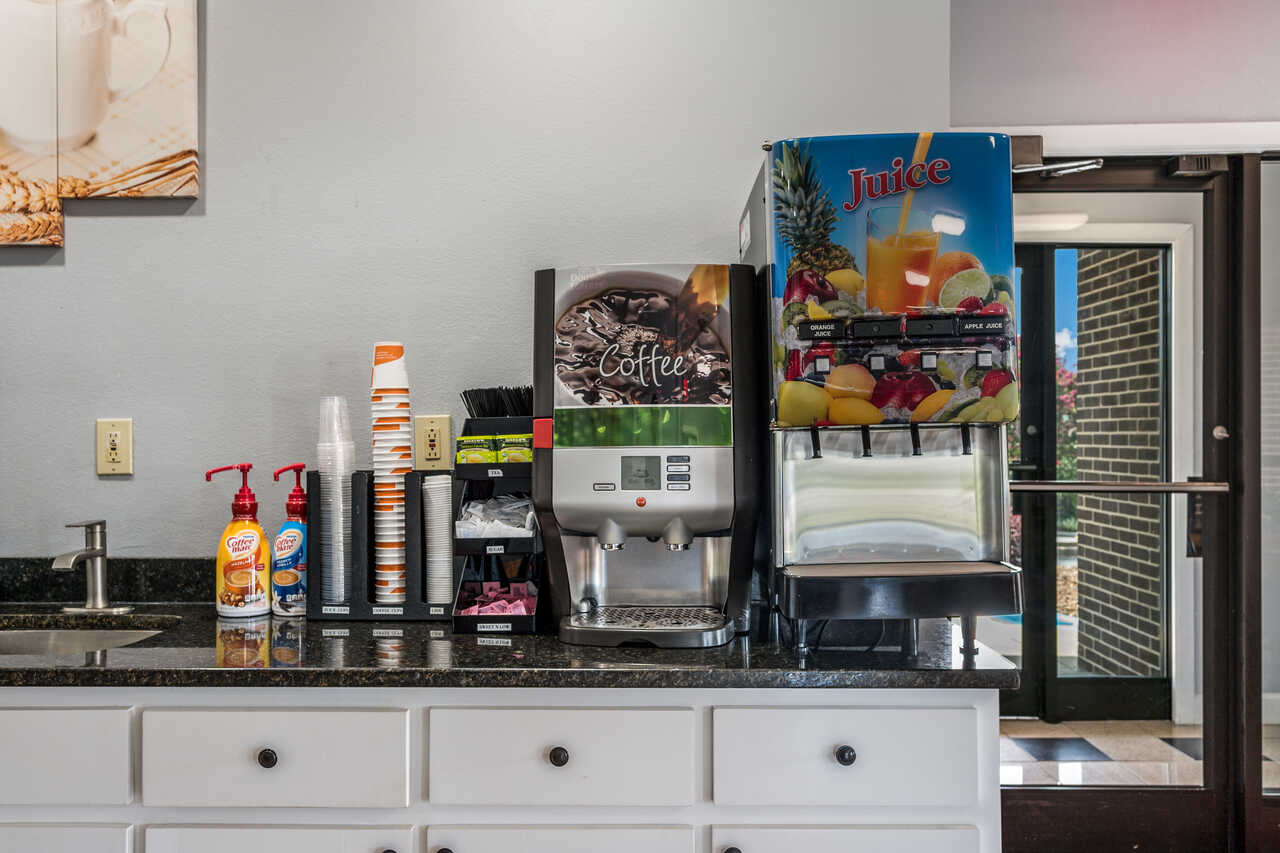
(437, 521)
(335, 462)
(392, 459)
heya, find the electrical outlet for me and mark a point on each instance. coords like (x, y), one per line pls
(432, 443)
(115, 445)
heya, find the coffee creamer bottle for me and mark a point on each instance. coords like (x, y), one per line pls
(244, 555)
(289, 551)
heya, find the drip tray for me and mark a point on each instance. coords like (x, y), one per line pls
(664, 627)
(919, 590)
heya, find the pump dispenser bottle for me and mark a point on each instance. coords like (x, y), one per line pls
(244, 555)
(289, 552)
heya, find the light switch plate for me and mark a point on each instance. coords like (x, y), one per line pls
(432, 442)
(115, 445)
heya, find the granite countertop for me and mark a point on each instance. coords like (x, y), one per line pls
(195, 649)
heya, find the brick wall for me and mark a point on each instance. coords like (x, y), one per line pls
(1118, 418)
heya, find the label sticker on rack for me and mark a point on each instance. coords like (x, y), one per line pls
(493, 626)
(387, 611)
(388, 632)
(493, 641)
(435, 611)
(335, 611)
(494, 473)
(335, 632)
(435, 634)
(495, 549)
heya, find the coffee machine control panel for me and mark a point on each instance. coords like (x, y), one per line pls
(643, 488)
(646, 473)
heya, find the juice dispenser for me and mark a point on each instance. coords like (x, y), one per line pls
(648, 451)
(889, 262)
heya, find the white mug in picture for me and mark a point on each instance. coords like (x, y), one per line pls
(58, 103)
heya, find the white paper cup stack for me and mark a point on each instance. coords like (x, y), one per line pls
(437, 521)
(392, 459)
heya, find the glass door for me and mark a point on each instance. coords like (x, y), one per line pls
(1094, 367)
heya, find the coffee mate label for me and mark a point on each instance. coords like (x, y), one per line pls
(242, 566)
(289, 571)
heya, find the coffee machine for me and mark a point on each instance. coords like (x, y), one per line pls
(649, 457)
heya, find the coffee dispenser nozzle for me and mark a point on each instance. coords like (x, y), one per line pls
(677, 536)
(610, 535)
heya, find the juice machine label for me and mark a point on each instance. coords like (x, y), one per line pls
(892, 291)
(641, 356)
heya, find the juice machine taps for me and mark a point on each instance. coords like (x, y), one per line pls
(648, 449)
(891, 311)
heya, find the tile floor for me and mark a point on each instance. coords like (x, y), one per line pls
(1113, 752)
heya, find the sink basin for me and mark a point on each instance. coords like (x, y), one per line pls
(67, 641)
(64, 634)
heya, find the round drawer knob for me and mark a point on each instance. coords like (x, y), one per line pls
(267, 758)
(732, 850)
(845, 755)
(444, 850)
(558, 756)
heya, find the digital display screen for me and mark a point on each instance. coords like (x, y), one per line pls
(642, 472)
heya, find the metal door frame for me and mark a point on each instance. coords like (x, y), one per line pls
(1215, 816)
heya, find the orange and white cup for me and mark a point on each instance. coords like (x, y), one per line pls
(389, 371)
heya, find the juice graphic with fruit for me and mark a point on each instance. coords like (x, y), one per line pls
(890, 259)
(898, 265)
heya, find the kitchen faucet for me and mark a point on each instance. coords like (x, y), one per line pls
(94, 557)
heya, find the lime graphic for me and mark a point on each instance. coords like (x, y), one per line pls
(962, 285)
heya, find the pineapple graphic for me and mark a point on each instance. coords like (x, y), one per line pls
(805, 215)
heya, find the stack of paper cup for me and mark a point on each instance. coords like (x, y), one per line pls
(437, 522)
(392, 459)
(335, 462)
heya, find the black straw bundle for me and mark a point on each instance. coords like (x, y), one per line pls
(500, 402)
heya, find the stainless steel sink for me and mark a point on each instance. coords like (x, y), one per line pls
(56, 633)
(67, 641)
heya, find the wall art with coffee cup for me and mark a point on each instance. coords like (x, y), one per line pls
(97, 99)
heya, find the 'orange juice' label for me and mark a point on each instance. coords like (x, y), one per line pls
(244, 565)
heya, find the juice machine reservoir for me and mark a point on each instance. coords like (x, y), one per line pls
(648, 449)
(889, 262)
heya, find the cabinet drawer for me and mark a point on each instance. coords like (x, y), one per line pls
(560, 839)
(901, 756)
(842, 839)
(55, 756)
(223, 757)
(279, 839)
(491, 756)
(66, 838)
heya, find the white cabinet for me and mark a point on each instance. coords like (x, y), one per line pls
(843, 839)
(58, 756)
(279, 839)
(65, 838)
(900, 756)
(569, 756)
(302, 757)
(559, 839)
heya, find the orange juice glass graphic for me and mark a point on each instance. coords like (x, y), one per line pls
(898, 264)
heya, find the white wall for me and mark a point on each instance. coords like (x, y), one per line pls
(1033, 62)
(397, 169)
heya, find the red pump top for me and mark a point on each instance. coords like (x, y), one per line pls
(296, 506)
(245, 503)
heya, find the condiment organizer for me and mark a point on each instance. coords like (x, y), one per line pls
(483, 480)
(360, 604)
